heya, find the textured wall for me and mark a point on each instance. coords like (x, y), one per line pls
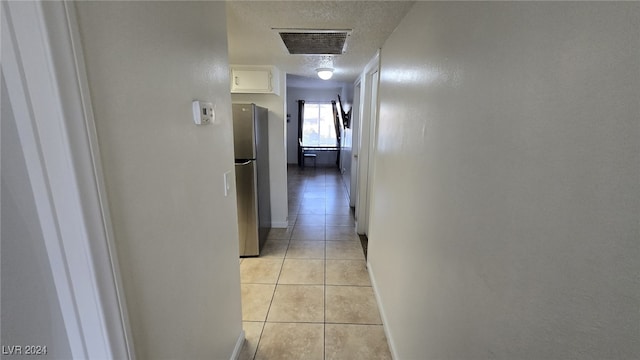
(505, 216)
(174, 229)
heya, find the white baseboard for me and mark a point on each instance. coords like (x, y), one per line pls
(383, 315)
(279, 224)
(236, 350)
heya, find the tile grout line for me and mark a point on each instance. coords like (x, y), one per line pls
(319, 180)
(324, 325)
(255, 352)
(264, 324)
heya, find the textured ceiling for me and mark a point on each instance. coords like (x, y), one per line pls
(253, 42)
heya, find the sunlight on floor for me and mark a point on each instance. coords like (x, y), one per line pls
(308, 295)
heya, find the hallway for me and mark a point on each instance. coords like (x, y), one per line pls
(308, 296)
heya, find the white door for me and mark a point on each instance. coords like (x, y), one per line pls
(366, 149)
(355, 140)
(373, 114)
(373, 117)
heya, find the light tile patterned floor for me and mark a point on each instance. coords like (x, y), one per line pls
(308, 295)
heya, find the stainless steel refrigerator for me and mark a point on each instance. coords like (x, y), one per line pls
(251, 146)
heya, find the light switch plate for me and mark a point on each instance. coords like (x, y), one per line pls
(203, 113)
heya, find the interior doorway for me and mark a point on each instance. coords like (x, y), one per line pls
(367, 144)
(355, 145)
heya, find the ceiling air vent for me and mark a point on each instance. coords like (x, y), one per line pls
(314, 42)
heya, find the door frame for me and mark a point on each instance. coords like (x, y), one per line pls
(366, 146)
(355, 140)
(43, 66)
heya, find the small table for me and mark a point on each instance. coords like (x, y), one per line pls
(305, 154)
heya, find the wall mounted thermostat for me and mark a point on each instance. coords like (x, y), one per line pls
(203, 112)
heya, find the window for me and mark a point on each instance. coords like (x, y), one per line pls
(318, 128)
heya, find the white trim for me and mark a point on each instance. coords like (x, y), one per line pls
(48, 90)
(235, 355)
(279, 224)
(97, 199)
(374, 79)
(355, 142)
(383, 315)
(364, 134)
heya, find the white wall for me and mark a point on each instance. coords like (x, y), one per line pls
(505, 217)
(309, 95)
(347, 95)
(174, 229)
(30, 308)
(277, 149)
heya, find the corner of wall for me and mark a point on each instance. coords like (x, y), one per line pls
(236, 350)
(383, 314)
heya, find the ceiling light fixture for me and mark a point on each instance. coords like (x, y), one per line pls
(325, 73)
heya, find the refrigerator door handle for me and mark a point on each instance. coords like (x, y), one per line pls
(244, 163)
